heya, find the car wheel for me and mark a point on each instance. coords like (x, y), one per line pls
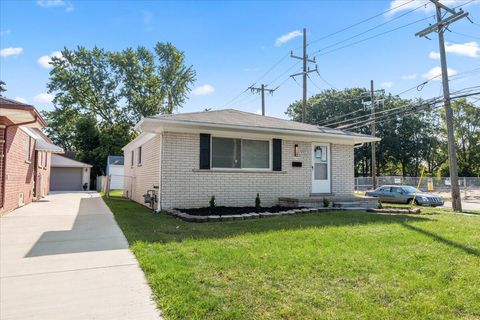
(415, 202)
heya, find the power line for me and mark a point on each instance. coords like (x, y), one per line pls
(271, 68)
(388, 110)
(360, 22)
(443, 22)
(407, 112)
(305, 71)
(372, 28)
(464, 44)
(372, 37)
(465, 35)
(262, 90)
(463, 4)
(234, 98)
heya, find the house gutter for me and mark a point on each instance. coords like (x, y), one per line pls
(4, 169)
(309, 133)
(358, 145)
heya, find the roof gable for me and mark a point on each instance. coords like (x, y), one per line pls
(61, 161)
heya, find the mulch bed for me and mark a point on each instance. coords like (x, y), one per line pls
(232, 211)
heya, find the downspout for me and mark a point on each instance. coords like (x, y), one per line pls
(4, 169)
(159, 207)
(358, 145)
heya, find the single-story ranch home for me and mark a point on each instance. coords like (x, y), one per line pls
(185, 159)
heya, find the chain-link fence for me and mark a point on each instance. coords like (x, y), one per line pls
(433, 184)
(121, 183)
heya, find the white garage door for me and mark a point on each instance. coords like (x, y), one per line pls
(66, 179)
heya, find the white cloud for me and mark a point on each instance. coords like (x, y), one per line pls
(434, 55)
(287, 37)
(44, 61)
(468, 49)
(203, 90)
(5, 32)
(56, 3)
(43, 98)
(436, 73)
(386, 84)
(20, 99)
(409, 76)
(7, 52)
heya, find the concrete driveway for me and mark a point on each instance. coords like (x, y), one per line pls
(66, 258)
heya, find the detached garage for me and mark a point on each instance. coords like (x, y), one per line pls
(68, 174)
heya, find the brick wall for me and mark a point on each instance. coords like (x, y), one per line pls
(343, 176)
(183, 185)
(19, 173)
(2, 142)
(140, 178)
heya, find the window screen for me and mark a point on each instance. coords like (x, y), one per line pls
(238, 153)
(226, 153)
(255, 154)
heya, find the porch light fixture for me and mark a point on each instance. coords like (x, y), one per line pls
(296, 151)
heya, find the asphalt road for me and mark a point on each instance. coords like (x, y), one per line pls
(466, 204)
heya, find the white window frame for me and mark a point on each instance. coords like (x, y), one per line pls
(270, 155)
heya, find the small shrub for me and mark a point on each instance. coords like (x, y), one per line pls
(257, 201)
(380, 205)
(326, 202)
(212, 202)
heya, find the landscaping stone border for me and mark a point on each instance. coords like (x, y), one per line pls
(246, 216)
(395, 210)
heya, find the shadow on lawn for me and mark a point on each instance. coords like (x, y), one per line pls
(443, 240)
(140, 224)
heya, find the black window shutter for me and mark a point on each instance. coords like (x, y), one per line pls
(204, 151)
(277, 154)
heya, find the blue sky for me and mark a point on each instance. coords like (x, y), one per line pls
(231, 44)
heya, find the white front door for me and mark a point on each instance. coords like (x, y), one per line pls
(321, 168)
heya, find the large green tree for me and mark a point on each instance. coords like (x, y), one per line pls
(466, 122)
(2, 87)
(100, 95)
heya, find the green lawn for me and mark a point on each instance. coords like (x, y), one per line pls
(342, 265)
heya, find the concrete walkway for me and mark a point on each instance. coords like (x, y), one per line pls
(66, 258)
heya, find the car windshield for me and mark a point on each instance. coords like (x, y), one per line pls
(411, 189)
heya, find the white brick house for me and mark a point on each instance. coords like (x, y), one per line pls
(233, 155)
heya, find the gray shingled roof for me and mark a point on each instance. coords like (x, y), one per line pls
(240, 118)
(6, 101)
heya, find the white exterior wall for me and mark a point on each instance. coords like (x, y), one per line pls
(183, 185)
(116, 173)
(140, 178)
(86, 177)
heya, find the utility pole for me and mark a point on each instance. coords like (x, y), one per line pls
(439, 27)
(305, 72)
(262, 90)
(371, 103)
(374, 160)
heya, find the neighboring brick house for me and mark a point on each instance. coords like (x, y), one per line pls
(25, 153)
(233, 155)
